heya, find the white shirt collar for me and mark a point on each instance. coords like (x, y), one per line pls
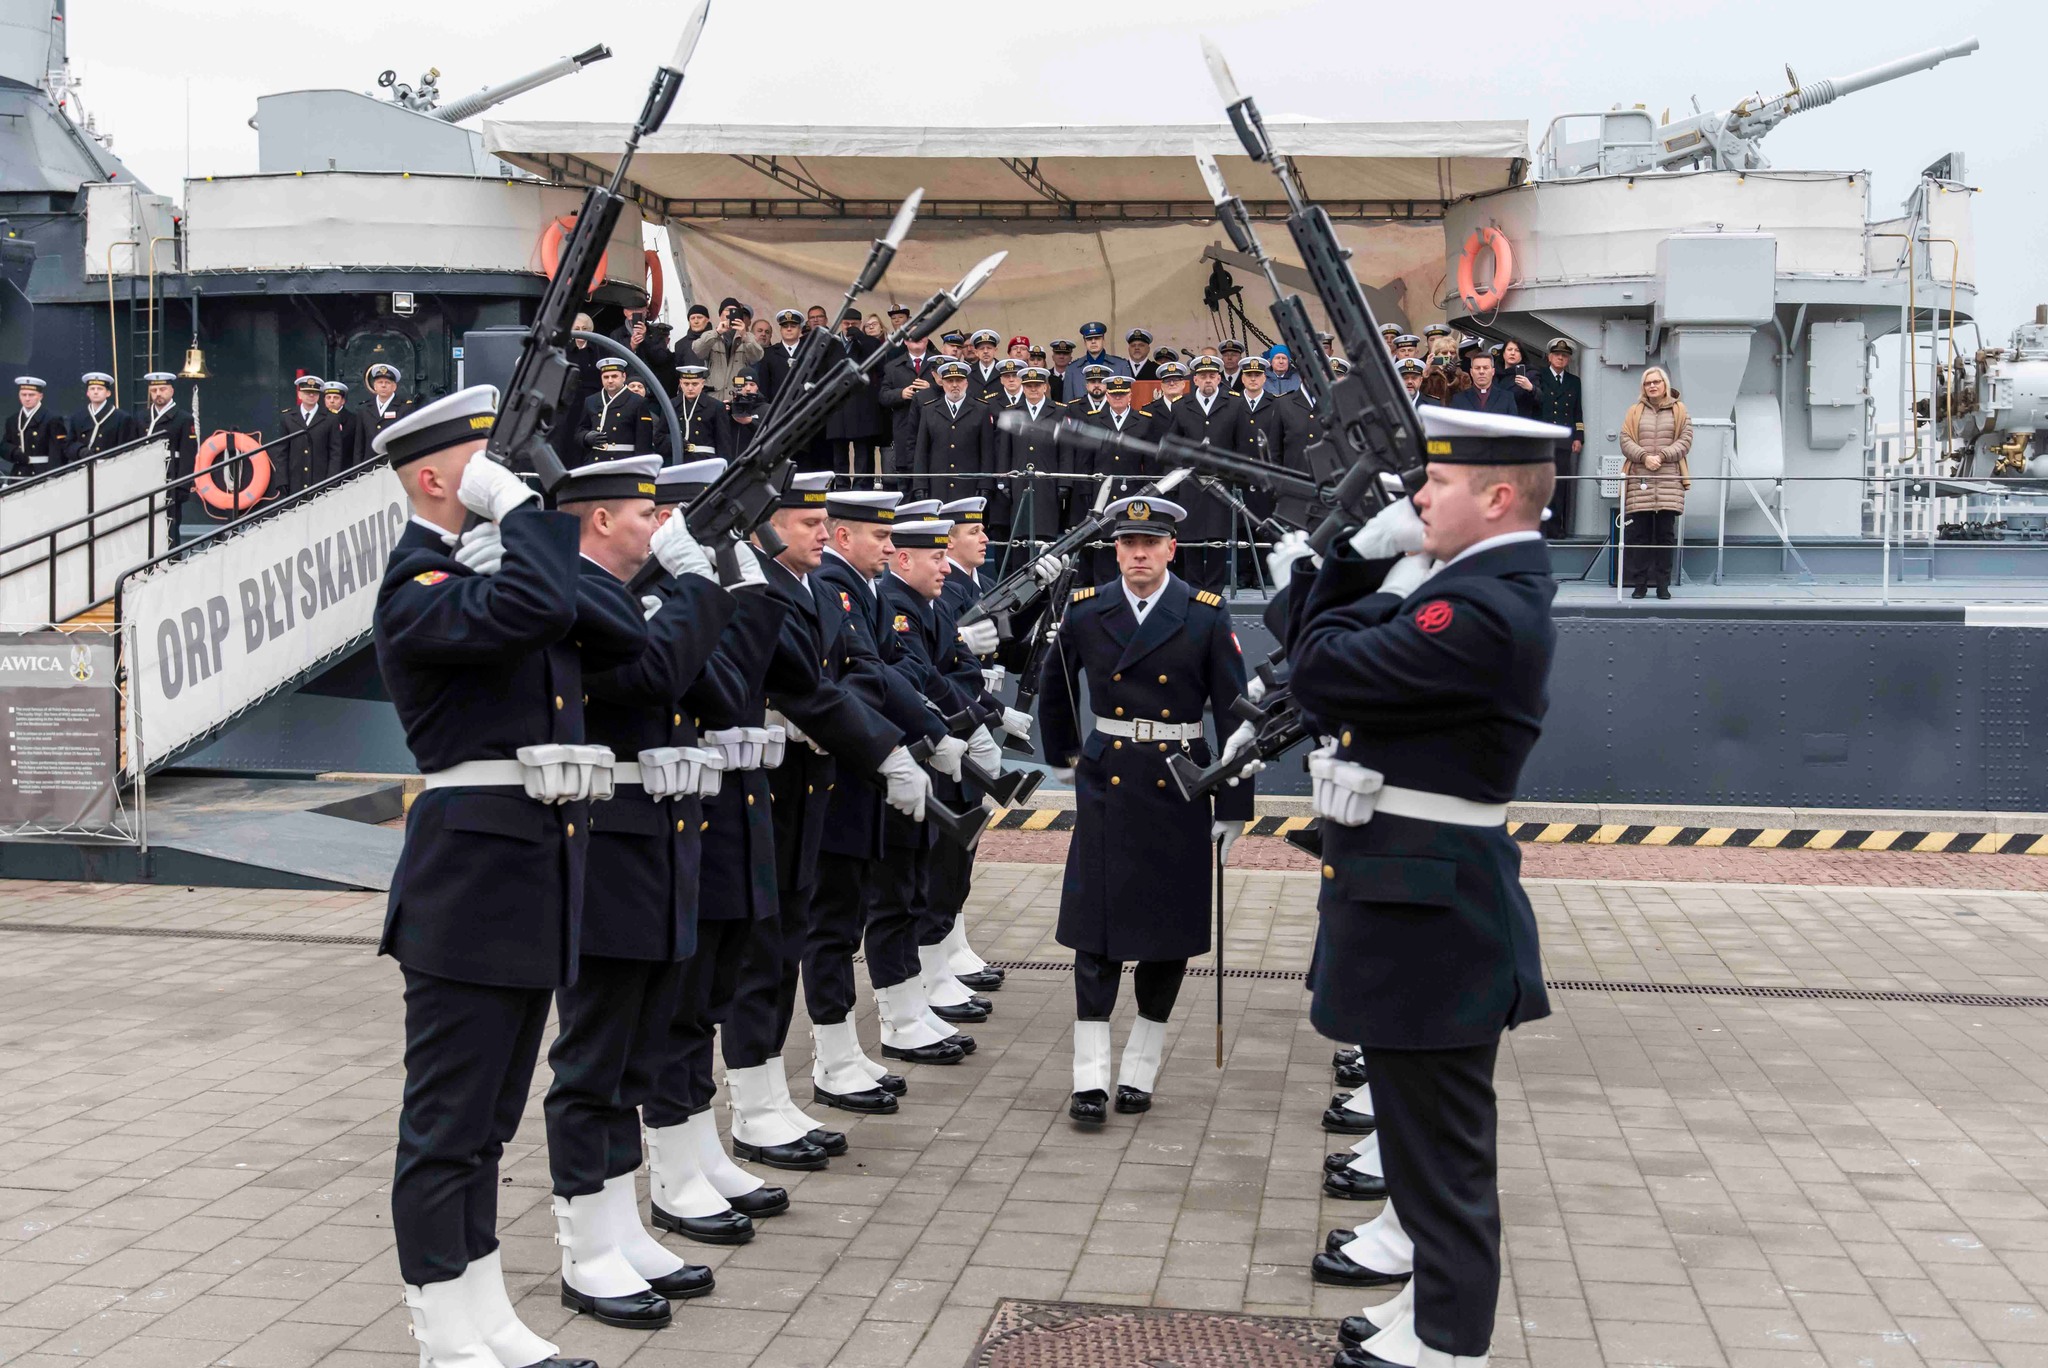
(160, 412)
(447, 538)
(1504, 539)
(961, 568)
(1033, 409)
(1208, 401)
(1134, 600)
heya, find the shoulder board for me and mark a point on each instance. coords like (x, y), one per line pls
(1209, 597)
(1087, 593)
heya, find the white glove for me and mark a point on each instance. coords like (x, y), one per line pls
(750, 571)
(1408, 575)
(1280, 560)
(993, 677)
(489, 490)
(1255, 688)
(909, 786)
(1226, 833)
(678, 551)
(1046, 569)
(1064, 775)
(1017, 724)
(482, 549)
(650, 604)
(1241, 741)
(1395, 530)
(981, 637)
(946, 756)
(986, 753)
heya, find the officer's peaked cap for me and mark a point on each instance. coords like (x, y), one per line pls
(1143, 515)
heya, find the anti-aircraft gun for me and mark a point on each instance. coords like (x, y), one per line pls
(425, 98)
(1629, 143)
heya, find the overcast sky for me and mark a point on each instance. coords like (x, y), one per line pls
(829, 62)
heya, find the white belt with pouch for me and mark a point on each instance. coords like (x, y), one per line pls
(673, 771)
(1145, 729)
(1348, 794)
(746, 748)
(549, 774)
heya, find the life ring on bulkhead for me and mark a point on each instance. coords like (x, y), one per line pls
(1496, 242)
(255, 484)
(551, 239)
(655, 283)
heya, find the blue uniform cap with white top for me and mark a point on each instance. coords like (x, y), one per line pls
(1142, 515)
(916, 508)
(1035, 375)
(333, 387)
(463, 416)
(1137, 335)
(681, 483)
(863, 505)
(806, 490)
(29, 382)
(972, 509)
(160, 378)
(926, 534)
(693, 372)
(307, 382)
(1097, 371)
(611, 363)
(383, 370)
(627, 477)
(953, 370)
(1466, 437)
(97, 378)
(1009, 365)
(988, 335)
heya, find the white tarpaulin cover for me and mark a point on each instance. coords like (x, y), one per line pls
(87, 565)
(1427, 162)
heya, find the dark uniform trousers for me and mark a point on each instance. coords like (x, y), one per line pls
(839, 910)
(1157, 983)
(470, 1049)
(704, 994)
(949, 878)
(604, 1068)
(1437, 1122)
(894, 914)
(764, 1002)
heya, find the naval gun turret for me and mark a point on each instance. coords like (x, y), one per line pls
(1629, 144)
(425, 97)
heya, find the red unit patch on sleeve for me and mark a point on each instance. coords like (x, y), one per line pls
(1433, 617)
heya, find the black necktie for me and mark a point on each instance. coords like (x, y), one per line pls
(1141, 606)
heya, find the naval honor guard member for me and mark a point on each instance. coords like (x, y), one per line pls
(482, 639)
(34, 442)
(1157, 655)
(99, 426)
(1423, 648)
(162, 417)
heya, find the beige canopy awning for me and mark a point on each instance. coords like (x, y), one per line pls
(1357, 171)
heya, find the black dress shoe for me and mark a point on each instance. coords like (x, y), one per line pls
(943, 1052)
(1334, 1270)
(797, 1154)
(1663, 591)
(832, 1142)
(1341, 1159)
(761, 1203)
(965, 1042)
(1353, 1331)
(1338, 1121)
(1640, 591)
(562, 1363)
(1349, 1075)
(871, 1100)
(1350, 1054)
(1130, 1100)
(1353, 1186)
(970, 1011)
(982, 980)
(892, 1084)
(691, 1280)
(1337, 1239)
(1360, 1357)
(730, 1227)
(1089, 1108)
(637, 1311)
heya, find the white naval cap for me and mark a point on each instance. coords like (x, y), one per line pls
(680, 483)
(1467, 437)
(972, 509)
(1142, 515)
(917, 508)
(924, 534)
(459, 417)
(806, 489)
(97, 378)
(863, 505)
(627, 477)
(29, 382)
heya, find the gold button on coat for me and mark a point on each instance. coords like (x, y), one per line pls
(1345, 738)
(572, 828)
(1328, 872)
(1115, 779)
(558, 702)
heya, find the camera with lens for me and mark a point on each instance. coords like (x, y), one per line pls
(743, 403)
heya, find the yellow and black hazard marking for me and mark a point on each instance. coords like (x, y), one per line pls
(1593, 833)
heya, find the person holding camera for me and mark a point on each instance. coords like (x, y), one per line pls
(649, 339)
(727, 349)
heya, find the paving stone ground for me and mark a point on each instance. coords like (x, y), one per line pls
(195, 1143)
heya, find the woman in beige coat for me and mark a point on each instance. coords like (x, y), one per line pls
(1655, 437)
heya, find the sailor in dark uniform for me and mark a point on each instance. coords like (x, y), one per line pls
(1137, 885)
(615, 417)
(699, 415)
(779, 360)
(954, 434)
(1138, 343)
(343, 433)
(1561, 400)
(99, 426)
(483, 640)
(695, 1188)
(1211, 416)
(162, 417)
(813, 703)
(1122, 470)
(640, 898)
(302, 462)
(384, 407)
(982, 383)
(1035, 511)
(1173, 392)
(1009, 394)
(1423, 649)
(1094, 396)
(34, 440)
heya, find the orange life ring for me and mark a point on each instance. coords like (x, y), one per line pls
(209, 489)
(1496, 242)
(654, 283)
(551, 240)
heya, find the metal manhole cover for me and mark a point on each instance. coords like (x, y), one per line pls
(1036, 1334)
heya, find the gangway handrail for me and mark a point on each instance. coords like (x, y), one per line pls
(150, 499)
(26, 481)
